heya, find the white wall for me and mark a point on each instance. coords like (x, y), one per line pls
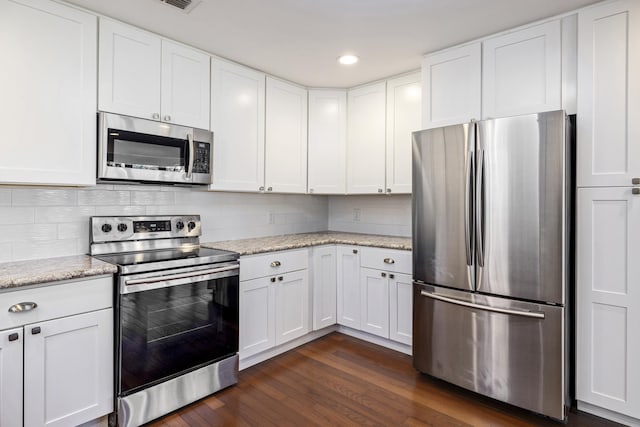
(375, 214)
(42, 222)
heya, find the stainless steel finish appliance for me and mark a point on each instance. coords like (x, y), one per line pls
(491, 210)
(176, 313)
(132, 149)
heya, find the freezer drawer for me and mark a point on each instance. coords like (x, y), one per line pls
(514, 353)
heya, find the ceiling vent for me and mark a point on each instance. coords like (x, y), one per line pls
(184, 5)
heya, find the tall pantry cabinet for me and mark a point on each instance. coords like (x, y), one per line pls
(608, 211)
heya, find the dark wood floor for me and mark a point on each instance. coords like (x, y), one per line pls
(342, 381)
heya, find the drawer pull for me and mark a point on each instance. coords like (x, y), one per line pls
(36, 330)
(391, 276)
(22, 306)
(14, 336)
(635, 181)
(280, 279)
(635, 191)
(389, 261)
(273, 279)
(383, 274)
(355, 251)
(275, 264)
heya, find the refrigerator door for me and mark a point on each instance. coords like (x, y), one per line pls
(521, 207)
(509, 350)
(443, 205)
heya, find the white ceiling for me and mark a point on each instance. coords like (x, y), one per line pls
(299, 40)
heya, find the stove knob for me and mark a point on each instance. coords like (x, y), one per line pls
(191, 225)
(106, 228)
(122, 227)
(179, 225)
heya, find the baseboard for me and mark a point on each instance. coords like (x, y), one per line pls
(374, 339)
(272, 352)
(608, 414)
(100, 422)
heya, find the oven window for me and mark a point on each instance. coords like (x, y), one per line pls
(138, 150)
(169, 331)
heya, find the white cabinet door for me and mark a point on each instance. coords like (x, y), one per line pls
(403, 117)
(366, 139)
(374, 302)
(185, 86)
(327, 141)
(292, 305)
(401, 308)
(348, 286)
(451, 86)
(68, 369)
(237, 122)
(286, 138)
(48, 92)
(11, 341)
(257, 316)
(324, 286)
(608, 153)
(129, 75)
(521, 71)
(608, 299)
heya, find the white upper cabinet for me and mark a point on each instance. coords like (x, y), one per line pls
(48, 94)
(285, 137)
(327, 141)
(521, 71)
(451, 86)
(237, 122)
(366, 139)
(403, 117)
(142, 75)
(608, 117)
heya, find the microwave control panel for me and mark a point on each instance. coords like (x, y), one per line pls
(202, 157)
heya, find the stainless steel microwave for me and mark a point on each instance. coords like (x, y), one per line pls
(132, 149)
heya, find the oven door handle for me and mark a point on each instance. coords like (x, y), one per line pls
(156, 282)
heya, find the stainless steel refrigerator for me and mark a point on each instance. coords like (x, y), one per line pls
(491, 211)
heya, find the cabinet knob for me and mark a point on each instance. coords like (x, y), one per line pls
(261, 188)
(391, 276)
(22, 306)
(383, 274)
(14, 336)
(36, 330)
(355, 251)
(635, 181)
(280, 278)
(167, 118)
(155, 116)
(635, 191)
(275, 264)
(273, 279)
(389, 261)
(388, 191)
(270, 189)
(380, 190)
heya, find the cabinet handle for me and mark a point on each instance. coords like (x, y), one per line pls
(270, 189)
(635, 181)
(355, 251)
(273, 279)
(155, 116)
(391, 276)
(380, 190)
(635, 191)
(261, 188)
(275, 264)
(167, 118)
(389, 261)
(383, 274)
(388, 191)
(22, 306)
(14, 336)
(280, 278)
(36, 330)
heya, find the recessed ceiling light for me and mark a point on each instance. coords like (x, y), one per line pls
(348, 59)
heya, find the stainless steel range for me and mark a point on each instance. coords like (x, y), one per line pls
(176, 313)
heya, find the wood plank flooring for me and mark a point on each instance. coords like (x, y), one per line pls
(342, 381)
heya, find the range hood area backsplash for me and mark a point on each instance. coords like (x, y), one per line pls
(44, 222)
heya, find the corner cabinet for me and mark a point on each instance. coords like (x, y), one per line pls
(143, 75)
(348, 286)
(608, 118)
(237, 122)
(327, 141)
(48, 87)
(56, 364)
(285, 137)
(324, 286)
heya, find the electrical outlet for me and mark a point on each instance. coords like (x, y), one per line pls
(356, 214)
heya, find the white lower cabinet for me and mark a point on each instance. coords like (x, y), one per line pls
(324, 286)
(56, 360)
(348, 286)
(374, 302)
(274, 300)
(401, 308)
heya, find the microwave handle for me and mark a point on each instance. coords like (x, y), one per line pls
(191, 155)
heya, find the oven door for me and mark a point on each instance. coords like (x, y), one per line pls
(175, 321)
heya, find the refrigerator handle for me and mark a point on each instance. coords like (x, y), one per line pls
(480, 207)
(468, 194)
(456, 301)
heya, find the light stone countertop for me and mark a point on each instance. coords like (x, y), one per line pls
(22, 273)
(293, 241)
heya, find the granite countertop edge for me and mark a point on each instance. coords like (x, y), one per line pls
(258, 245)
(16, 274)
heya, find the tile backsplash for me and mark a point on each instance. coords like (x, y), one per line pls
(42, 222)
(374, 214)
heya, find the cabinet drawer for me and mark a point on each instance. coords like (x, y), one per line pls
(57, 300)
(386, 259)
(255, 266)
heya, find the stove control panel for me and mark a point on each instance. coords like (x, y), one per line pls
(118, 228)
